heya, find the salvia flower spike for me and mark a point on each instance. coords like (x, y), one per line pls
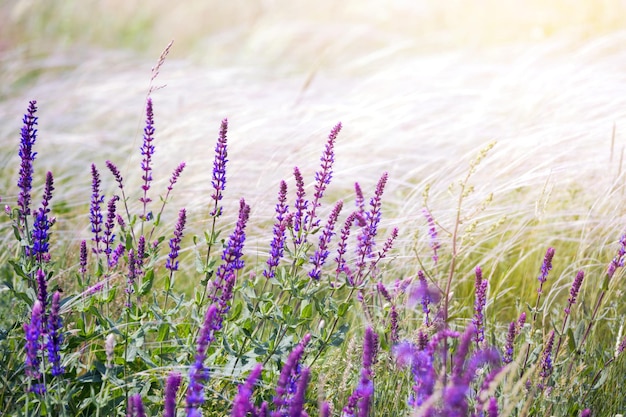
(28, 137)
(219, 169)
(147, 151)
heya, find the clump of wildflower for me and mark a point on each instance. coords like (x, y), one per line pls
(171, 263)
(479, 306)
(432, 232)
(289, 375)
(219, 169)
(171, 388)
(359, 401)
(28, 137)
(319, 257)
(242, 404)
(55, 337)
(147, 150)
(95, 213)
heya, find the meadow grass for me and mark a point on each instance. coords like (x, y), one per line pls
(555, 174)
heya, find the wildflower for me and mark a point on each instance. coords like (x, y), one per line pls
(386, 248)
(115, 256)
(55, 337)
(242, 403)
(323, 176)
(479, 306)
(420, 361)
(147, 150)
(42, 291)
(618, 260)
(319, 257)
(359, 401)
(135, 406)
(510, 340)
(492, 409)
(171, 388)
(219, 168)
(83, 258)
(585, 413)
(116, 173)
(300, 206)
(33, 344)
(171, 263)
(109, 236)
(432, 231)
(109, 349)
(343, 244)
(28, 137)
(278, 242)
(198, 373)
(297, 403)
(325, 409)
(42, 224)
(140, 256)
(573, 292)
(288, 376)
(426, 295)
(545, 268)
(546, 361)
(359, 200)
(132, 275)
(95, 214)
(174, 178)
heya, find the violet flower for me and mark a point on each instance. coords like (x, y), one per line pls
(510, 341)
(147, 150)
(425, 295)
(55, 337)
(432, 232)
(325, 409)
(573, 292)
(289, 375)
(479, 306)
(83, 259)
(278, 242)
(300, 206)
(323, 176)
(95, 213)
(42, 291)
(131, 276)
(116, 174)
(135, 406)
(585, 413)
(115, 256)
(219, 169)
(319, 257)
(545, 268)
(359, 401)
(109, 236)
(33, 345)
(175, 175)
(342, 246)
(242, 403)
(171, 388)
(28, 136)
(546, 361)
(359, 200)
(171, 263)
(198, 373)
(421, 363)
(492, 407)
(618, 260)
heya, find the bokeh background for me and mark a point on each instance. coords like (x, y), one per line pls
(420, 87)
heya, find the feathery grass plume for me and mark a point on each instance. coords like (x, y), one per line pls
(109, 224)
(233, 253)
(432, 232)
(198, 372)
(135, 406)
(321, 253)
(289, 375)
(479, 306)
(33, 333)
(171, 388)
(359, 402)
(55, 336)
(42, 224)
(280, 226)
(95, 213)
(322, 177)
(171, 263)
(28, 136)
(219, 169)
(147, 150)
(242, 403)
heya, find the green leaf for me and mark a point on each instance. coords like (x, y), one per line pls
(146, 285)
(306, 312)
(343, 308)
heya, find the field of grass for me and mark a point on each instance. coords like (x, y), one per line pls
(504, 120)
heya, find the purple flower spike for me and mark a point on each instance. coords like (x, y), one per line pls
(219, 168)
(95, 213)
(319, 257)
(280, 227)
(42, 291)
(174, 178)
(288, 375)
(296, 408)
(573, 292)
(359, 401)
(33, 344)
(323, 176)
(585, 413)
(432, 231)
(116, 174)
(109, 236)
(300, 205)
(359, 199)
(546, 361)
(147, 150)
(28, 137)
(492, 408)
(198, 373)
(325, 409)
(545, 268)
(618, 260)
(479, 306)
(135, 406)
(55, 337)
(172, 263)
(510, 341)
(343, 244)
(83, 258)
(242, 403)
(171, 388)
(42, 224)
